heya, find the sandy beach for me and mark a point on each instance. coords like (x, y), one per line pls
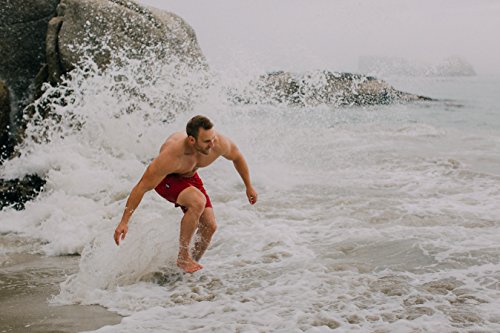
(27, 282)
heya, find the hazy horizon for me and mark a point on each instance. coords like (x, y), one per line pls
(321, 34)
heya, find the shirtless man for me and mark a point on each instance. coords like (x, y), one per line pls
(173, 175)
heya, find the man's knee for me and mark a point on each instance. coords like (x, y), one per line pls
(211, 226)
(193, 200)
(208, 223)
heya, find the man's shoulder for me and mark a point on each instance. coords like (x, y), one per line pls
(176, 137)
(170, 152)
(223, 144)
(173, 143)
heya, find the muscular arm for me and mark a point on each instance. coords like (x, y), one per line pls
(161, 166)
(232, 153)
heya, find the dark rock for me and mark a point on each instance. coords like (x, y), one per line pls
(16, 192)
(54, 66)
(41, 78)
(4, 121)
(23, 26)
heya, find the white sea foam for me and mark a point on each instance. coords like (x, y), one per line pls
(369, 219)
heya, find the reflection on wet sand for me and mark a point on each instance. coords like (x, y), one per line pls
(28, 281)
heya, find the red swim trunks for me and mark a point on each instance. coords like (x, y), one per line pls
(172, 185)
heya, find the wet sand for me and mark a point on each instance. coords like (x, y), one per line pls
(27, 282)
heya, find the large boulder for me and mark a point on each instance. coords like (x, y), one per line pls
(23, 25)
(100, 29)
(320, 87)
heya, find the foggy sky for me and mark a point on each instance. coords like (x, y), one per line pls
(333, 34)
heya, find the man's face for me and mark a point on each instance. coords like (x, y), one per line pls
(205, 141)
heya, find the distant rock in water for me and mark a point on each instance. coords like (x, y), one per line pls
(454, 66)
(320, 87)
(451, 66)
(16, 192)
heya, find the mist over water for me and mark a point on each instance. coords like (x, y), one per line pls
(380, 218)
(307, 35)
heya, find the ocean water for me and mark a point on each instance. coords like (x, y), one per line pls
(370, 219)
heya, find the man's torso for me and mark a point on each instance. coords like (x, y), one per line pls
(189, 163)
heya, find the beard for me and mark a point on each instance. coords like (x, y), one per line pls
(201, 150)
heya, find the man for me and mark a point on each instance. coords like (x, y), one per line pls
(173, 175)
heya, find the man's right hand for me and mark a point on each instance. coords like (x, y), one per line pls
(120, 232)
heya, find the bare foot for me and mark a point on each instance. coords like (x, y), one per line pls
(188, 265)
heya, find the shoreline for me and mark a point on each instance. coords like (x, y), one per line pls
(28, 281)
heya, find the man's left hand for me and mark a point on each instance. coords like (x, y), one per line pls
(251, 195)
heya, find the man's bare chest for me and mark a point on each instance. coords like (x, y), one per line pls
(191, 163)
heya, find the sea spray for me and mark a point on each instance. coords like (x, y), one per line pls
(152, 248)
(90, 137)
(368, 219)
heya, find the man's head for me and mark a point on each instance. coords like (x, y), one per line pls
(201, 134)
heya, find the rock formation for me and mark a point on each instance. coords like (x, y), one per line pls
(320, 87)
(100, 29)
(41, 40)
(23, 24)
(453, 66)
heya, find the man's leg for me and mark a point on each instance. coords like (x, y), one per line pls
(206, 229)
(194, 201)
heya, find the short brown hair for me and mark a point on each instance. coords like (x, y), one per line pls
(193, 126)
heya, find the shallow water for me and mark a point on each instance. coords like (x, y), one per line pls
(27, 283)
(376, 219)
